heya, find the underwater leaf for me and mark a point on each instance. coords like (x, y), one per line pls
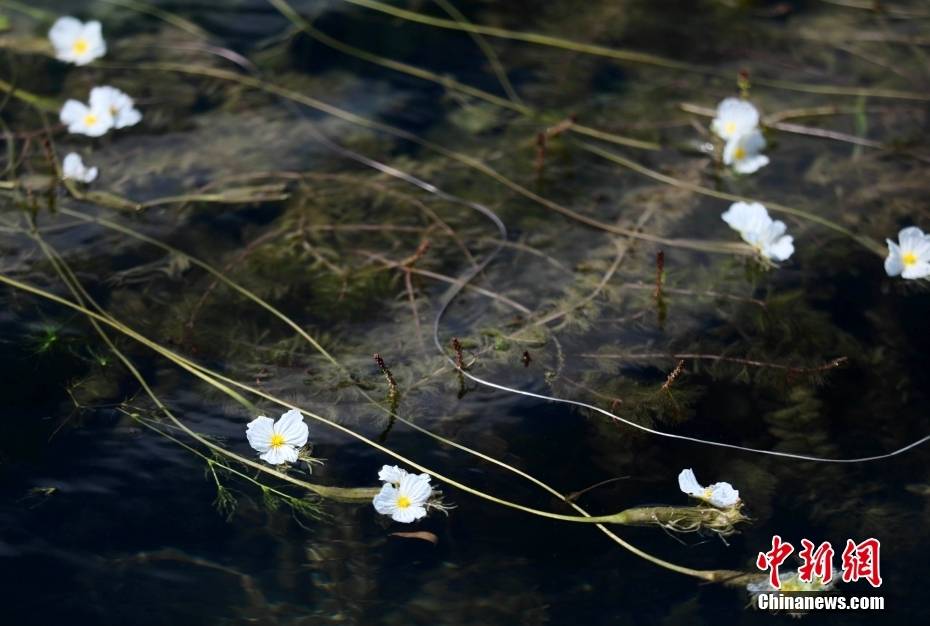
(423, 535)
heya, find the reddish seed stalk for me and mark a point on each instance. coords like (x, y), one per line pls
(674, 375)
(660, 274)
(392, 383)
(457, 348)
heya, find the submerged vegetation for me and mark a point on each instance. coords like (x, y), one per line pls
(528, 231)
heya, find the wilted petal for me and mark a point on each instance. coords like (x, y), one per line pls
(688, 483)
(723, 495)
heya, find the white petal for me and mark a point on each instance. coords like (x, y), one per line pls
(391, 474)
(734, 117)
(292, 427)
(781, 250)
(385, 501)
(753, 141)
(90, 175)
(72, 112)
(893, 264)
(688, 483)
(408, 514)
(750, 164)
(416, 488)
(723, 495)
(259, 432)
(276, 455)
(910, 237)
(72, 166)
(93, 33)
(128, 117)
(729, 150)
(64, 32)
(104, 96)
(917, 270)
(746, 216)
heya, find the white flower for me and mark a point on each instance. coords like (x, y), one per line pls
(77, 42)
(742, 152)
(910, 257)
(735, 117)
(759, 230)
(84, 120)
(721, 495)
(73, 168)
(117, 103)
(405, 501)
(278, 442)
(391, 474)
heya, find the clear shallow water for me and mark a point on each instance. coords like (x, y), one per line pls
(104, 521)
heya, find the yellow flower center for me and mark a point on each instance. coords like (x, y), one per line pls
(729, 128)
(739, 154)
(277, 439)
(909, 259)
(403, 502)
(81, 46)
(90, 119)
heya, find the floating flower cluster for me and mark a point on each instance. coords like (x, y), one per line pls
(720, 495)
(278, 441)
(403, 496)
(767, 236)
(737, 124)
(73, 168)
(80, 43)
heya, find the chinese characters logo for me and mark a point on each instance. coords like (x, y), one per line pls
(859, 561)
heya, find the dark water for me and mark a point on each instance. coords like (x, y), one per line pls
(103, 521)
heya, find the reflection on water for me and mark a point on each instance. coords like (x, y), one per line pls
(106, 521)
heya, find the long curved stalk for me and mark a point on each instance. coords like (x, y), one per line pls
(631, 56)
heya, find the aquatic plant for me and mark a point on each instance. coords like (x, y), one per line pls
(488, 226)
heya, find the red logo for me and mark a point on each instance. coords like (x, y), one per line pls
(859, 560)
